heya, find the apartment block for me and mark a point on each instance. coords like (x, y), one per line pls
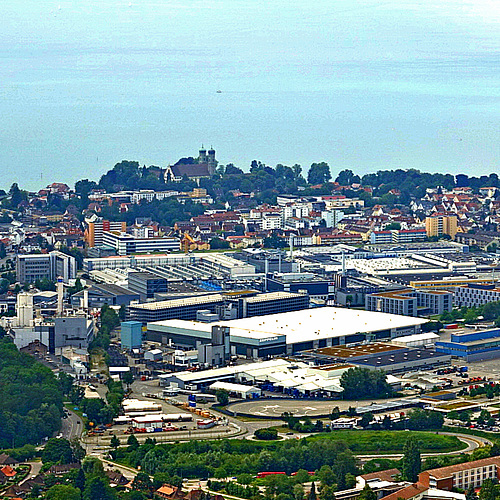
(95, 231)
(126, 244)
(408, 302)
(440, 224)
(476, 295)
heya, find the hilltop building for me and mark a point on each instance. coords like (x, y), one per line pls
(202, 168)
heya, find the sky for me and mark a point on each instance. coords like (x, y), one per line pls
(365, 85)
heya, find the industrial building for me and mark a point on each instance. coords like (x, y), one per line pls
(225, 305)
(217, 352)
(131, 335)
(410, 302)
(472, 346)
(146, 284)
(33, 267)
(237, 390)
(104, 293)
(178, 308)
(389, 357)
(77, 331)
(314, 286)
(267, 261)
(277, 375)
(271, 303)
(290, 332)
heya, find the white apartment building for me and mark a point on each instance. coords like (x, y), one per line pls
(476, 295)
(126, 244)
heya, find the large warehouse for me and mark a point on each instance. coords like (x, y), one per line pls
(291, 332)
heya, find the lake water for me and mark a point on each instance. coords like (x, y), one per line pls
(359, 84)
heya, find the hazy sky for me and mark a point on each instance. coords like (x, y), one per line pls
(360, 84)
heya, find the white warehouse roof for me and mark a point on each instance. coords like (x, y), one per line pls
(429, 337)
(304, 325)
(239, 388)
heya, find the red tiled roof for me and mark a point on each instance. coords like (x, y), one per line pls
(407, 493)
(444, 472)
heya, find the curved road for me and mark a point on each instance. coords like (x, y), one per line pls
(473, 442)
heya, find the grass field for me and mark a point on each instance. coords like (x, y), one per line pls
(393, 441)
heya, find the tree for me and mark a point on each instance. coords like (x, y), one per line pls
(335, 413)
(495, 450)
(16, 196)
(319, 173)
(327, 493)
(222, 396)
(115, 442)
(302, 476)
(128, 378)
(62, 492)
(266, 434)
(298, 492)
(326, 476)
(489, 490)
(132, 442)
(98, 489)
(80, 480)
(92, 466)
(367, 494)
(361, 382)
(142, 482)
(366, 419)
(419, 419)
(312, 492)
(470, 494)
(58, 451)
(77, 449)
(411, 462)
(218, 243)
(66, 382)
(432, 326)
(346, 178)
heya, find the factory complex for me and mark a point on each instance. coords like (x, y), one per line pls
(290, 332)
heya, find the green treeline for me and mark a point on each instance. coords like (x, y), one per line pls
(31, 402)
(232, 457)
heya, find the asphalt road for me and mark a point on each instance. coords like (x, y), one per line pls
(72, 426)
(473, 442)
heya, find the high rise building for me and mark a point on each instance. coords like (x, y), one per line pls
(95, 230)
(439, 224)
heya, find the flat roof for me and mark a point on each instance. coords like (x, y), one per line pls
(416, 337)
(168, 304)
(343, 351)
(264, 297)
(401, 356)
(302, 326)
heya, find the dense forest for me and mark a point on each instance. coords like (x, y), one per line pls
(31, 402)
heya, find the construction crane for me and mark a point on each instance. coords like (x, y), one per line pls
(186, 242)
